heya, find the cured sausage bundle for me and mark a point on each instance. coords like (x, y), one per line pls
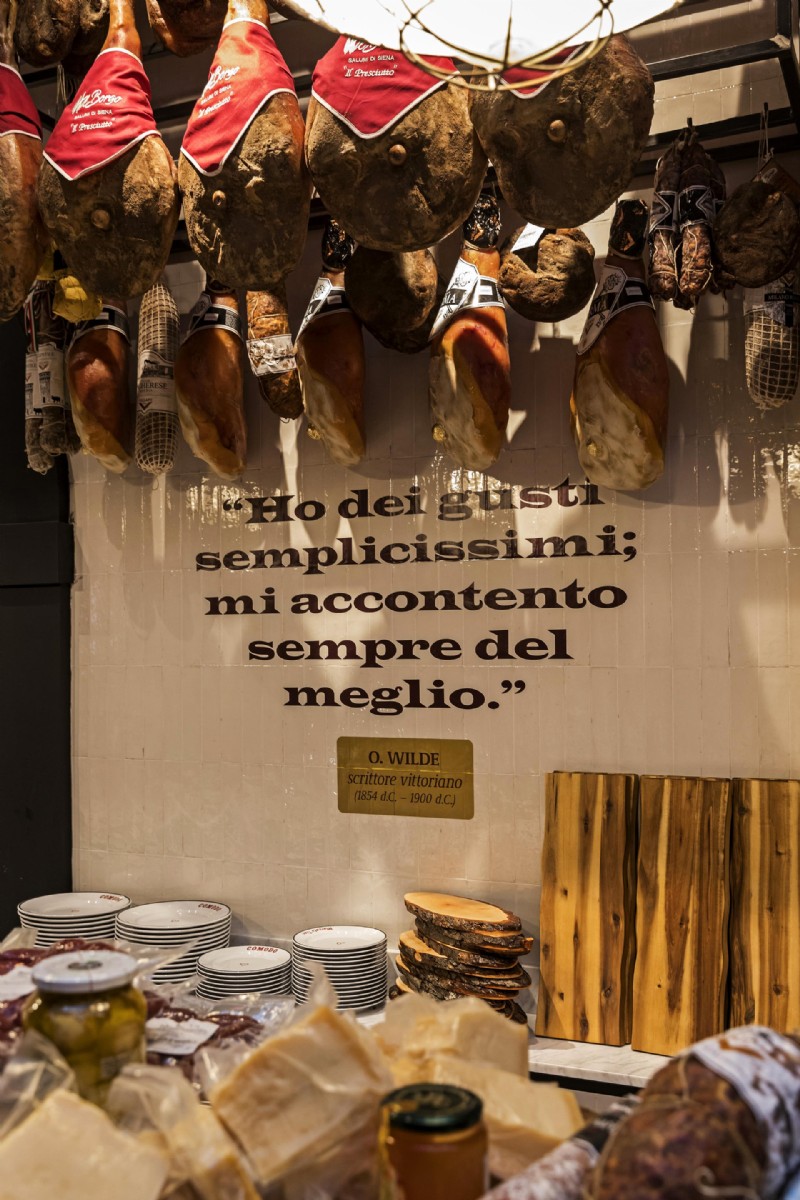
(210, 385)
(391, 149)
(620, 397)
(22, 237)
(470, 370)
(565, 150)
(246, 191)
(396, 296)
(97, 376)
(723, 1119)
(108, 189)
(772, 342)
(156, 406)
(270, 350)
(330, 357)
(547, 274)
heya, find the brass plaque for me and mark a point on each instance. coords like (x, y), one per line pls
(406, 777)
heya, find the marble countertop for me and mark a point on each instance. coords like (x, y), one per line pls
(619, 1065)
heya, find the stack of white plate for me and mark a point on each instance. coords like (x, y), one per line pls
(266, 970)
(171, 924)
(354, 958)
(87, 915)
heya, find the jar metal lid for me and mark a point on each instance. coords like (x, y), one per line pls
(84, 971)
(433, 1108)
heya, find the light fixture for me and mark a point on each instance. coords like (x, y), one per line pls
(487, 38)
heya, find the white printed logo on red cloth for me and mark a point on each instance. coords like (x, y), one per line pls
(110, 113)
(17, 111)
(369, 88)
(532, 82)
(247, 71)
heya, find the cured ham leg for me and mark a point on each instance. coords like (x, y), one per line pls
(330, 357)
(620, 399)
(97, 376)
(246, 190)
(108, 189)
(271, 352)
(22, 237)
(185, 26)
(470, 372)
(210, 384)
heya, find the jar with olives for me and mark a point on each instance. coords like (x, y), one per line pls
(87, 1006)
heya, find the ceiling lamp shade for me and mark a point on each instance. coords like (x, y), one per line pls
(488, 36)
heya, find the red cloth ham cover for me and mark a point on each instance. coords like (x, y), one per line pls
(534, 82)
(17, 111)
(369, 88)
(247, 71)
(110, 113)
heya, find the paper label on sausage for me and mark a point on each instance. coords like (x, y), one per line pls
(663, 213)
(696, 206)
(206, 315)
(779, 300)
(51, 375)
(110, 318)
(529, 238)
(33, 395)
(272, 355)
(468, 289)
(177, 1038)
(156, 388)
(615, 293)
(763, 1068)
(325, 301)
(16, 984)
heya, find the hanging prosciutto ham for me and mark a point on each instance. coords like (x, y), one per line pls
(391, 149)
(107, 190)
(22, 237)
(54, 31)
(186, 26)
(620, 398)
(470, 371)
(330, 357)
(97, 376)
(246, 191)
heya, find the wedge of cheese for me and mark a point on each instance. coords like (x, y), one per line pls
(418, 1027)
(302, 1091)
(525, 1120)
(69, 1149)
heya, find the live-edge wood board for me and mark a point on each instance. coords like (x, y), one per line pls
(682, 909)
(587, 920)
(765, 912)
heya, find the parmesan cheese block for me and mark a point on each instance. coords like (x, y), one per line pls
(69, 1150)
(524, 1120)
(302, 1091)
(203, 1151)
(418, 1028)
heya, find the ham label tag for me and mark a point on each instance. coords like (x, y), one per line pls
(615, 293)
(177, 1038)
(206, 315)
(663, 213)
(696, 206)
(110, 318)
(468, 289)
(247, 71)
(156, 387)
(33, 394)
(763, 1068)
(271, 355)
(110, 113)
(529, 238)
(779, 299)
(326, 300)
(17, 111)
(370, 89)
(50, 360)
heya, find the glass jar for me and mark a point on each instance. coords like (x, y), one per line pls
(434, 1144)
(86, 1005)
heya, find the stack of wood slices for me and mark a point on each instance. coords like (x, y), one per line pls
(463, 947)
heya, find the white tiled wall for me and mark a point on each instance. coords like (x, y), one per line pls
(190, 775)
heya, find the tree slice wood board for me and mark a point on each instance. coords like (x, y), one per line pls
(459, 985)
(682, 910)
(459, 912)
(587, 922)
(508, 945)
(457, 954)
(496, 986)
(765, 903)
(415, 949)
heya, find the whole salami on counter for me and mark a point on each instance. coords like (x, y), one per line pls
(620, 398)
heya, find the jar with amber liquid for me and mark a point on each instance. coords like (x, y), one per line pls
(434, 1144)
(87, 1006)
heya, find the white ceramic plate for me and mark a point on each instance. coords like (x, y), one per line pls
(65, 905)
(244, 960)
(177, 914)
(340, 938)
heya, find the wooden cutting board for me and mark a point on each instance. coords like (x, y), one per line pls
(587, 908)
(682, 908)
(765, 903)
